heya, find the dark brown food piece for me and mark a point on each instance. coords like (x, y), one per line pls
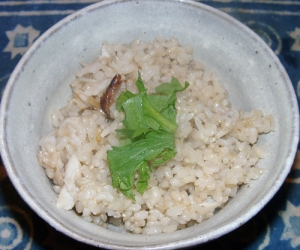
(109, 96)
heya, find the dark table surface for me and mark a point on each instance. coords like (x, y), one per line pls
(277, 226)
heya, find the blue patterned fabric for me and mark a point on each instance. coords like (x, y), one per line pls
(277, 226)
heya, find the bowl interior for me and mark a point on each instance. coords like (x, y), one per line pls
(245, 65)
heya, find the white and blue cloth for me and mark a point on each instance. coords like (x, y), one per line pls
(277, 226)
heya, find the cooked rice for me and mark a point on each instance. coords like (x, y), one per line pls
(216, 144)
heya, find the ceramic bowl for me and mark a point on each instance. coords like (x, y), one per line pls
(248, 69)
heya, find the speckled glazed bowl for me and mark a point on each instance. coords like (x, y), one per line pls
(246, 66)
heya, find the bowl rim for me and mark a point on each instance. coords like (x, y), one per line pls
(25, 194)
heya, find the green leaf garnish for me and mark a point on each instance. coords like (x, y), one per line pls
(148, 137)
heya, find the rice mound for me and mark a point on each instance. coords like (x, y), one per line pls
(216, 145)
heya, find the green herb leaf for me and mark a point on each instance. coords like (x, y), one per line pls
(125, 161)
(148, 137)
(142, 183)
(172, 87)
(140, 84)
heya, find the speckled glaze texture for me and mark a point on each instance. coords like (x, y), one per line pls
(246, 66)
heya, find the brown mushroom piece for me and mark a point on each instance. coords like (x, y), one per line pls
(109, 96)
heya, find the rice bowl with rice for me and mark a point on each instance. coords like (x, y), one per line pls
(216, 144)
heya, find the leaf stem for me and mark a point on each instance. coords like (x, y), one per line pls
(151, 111)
